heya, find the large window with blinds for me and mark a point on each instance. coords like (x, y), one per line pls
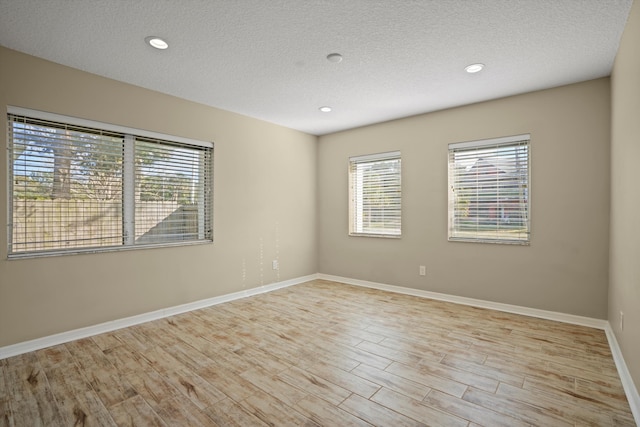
(81, 186)
(489, 191)
(375, 195)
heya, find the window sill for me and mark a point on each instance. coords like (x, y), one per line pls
(54, 253)
(384, 236)
(491, 241)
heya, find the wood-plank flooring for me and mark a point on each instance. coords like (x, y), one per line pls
(323, 354)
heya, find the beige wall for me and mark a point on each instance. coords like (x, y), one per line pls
(260, 212)
(564, 269)
(624, 284)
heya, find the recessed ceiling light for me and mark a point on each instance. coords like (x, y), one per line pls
(334, 57)
(156, 42)
(325, 109)
(474, 68)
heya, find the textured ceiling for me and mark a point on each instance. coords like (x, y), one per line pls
(267, 58)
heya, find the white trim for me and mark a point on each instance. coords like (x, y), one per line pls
(507, 308)
(391, 155)
(61, 338)
(43, 115)
(129, 190)
(490, 142)
(630, 388)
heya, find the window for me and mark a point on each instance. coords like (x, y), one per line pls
(489, 197)
(375, 195)
(78, 186)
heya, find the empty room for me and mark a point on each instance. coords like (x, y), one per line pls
(320, 213)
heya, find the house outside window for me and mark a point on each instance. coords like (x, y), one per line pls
(83, 186)
(375, 195)
(489, 190)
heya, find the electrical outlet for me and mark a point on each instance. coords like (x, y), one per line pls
(274, 264)
(423, 270)
(621, 321)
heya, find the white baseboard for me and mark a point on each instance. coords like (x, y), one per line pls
(630, 388)
(625, 376)
(61, 338)
(508, 308)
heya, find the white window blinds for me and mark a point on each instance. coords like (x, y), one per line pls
(489, 192)
(75, 186)
(375, 195)
(172, 192)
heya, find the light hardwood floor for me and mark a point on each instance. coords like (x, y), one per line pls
(328, 354)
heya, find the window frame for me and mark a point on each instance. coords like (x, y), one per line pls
(127, 198)
(353, 207)
(469, 147)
